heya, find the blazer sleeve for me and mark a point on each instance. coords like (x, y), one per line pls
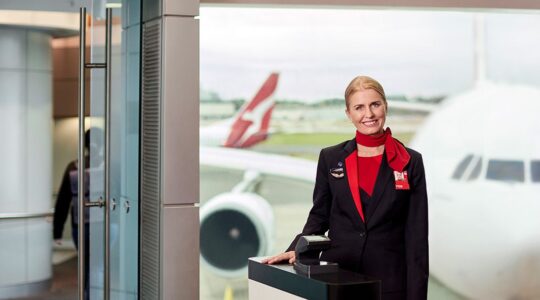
(416, 235)
(318, 218)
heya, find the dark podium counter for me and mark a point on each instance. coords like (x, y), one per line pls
(341, 285)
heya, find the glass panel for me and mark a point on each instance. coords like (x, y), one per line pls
(317, 52)
(506, 170)
(125, 150)
(39, 64)
(95, 123)
(124, 129)
(461, 167)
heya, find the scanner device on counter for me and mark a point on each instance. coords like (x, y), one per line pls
(307, 250)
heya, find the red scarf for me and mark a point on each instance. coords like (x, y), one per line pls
(396, 154)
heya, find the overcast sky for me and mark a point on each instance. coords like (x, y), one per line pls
(318, 51)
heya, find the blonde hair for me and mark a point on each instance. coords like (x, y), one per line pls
(361, 83)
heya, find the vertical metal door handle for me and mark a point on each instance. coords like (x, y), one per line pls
(81, 165)
(108, 53)
(81, 162)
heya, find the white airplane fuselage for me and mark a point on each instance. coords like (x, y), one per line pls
(484, 225)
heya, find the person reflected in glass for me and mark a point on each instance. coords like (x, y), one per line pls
(370, 196)
(67, 198)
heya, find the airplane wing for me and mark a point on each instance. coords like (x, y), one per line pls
(264, 163)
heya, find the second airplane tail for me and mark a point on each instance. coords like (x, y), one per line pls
(251, 124)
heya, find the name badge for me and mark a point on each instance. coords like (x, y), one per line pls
(402, 182)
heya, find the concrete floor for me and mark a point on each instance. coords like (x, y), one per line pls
(64, 285)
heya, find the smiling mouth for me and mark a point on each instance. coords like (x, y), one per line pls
(370, 123)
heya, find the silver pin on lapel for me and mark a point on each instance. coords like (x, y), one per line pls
(337, 172)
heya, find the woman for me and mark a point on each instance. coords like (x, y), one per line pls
(370, 195)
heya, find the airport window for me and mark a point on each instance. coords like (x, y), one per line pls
(506, 170)
(535, 171)
(462, 166)
(476, 170)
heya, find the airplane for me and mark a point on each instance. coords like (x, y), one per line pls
(482, 164)
(249, 126)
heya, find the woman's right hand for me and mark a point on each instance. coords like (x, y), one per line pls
(286, 256)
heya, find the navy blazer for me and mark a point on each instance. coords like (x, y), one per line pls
(390, 240)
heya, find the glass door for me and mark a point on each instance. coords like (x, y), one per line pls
(108, 262)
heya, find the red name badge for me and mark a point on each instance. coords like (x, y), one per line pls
(402, 183)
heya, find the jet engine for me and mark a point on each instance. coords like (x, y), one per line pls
(235, 226)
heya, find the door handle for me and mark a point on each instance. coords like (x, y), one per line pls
(98, 203)
(81, 159)
(81, 173)
(127, 206)
(107, 177)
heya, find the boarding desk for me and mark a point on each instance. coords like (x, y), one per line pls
(282, 282)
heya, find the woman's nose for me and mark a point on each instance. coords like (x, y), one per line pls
(369, 113)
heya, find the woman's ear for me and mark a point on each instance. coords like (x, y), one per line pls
(347, 113)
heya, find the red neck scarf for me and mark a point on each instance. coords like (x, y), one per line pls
(396, 154)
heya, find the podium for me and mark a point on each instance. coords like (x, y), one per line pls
(282, 282)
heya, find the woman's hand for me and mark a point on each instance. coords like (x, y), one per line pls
(286, 256)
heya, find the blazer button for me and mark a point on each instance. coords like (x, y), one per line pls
(362, 234)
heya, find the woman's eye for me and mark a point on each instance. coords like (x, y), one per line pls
(377, 104)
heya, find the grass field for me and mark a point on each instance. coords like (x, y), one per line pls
(308, 145)
(321, 139)
(311, 139)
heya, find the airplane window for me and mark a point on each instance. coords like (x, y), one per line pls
(535, 170)
(506, 170)
(476, 171)
(462, 166)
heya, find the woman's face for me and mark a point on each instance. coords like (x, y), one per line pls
(367, 111)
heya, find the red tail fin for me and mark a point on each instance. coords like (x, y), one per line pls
(253, 121)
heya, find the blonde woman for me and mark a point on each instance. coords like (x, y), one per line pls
(370, 196)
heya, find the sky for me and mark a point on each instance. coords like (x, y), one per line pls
(318, 51)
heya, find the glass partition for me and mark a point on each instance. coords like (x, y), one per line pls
(458, 90)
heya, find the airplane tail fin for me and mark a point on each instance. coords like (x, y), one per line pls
(251, 124)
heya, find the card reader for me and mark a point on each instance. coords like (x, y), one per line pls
(307, 250)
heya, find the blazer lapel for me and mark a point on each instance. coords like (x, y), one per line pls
(351, 167)
(384, 178)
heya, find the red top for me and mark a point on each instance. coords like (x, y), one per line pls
(368, 168)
